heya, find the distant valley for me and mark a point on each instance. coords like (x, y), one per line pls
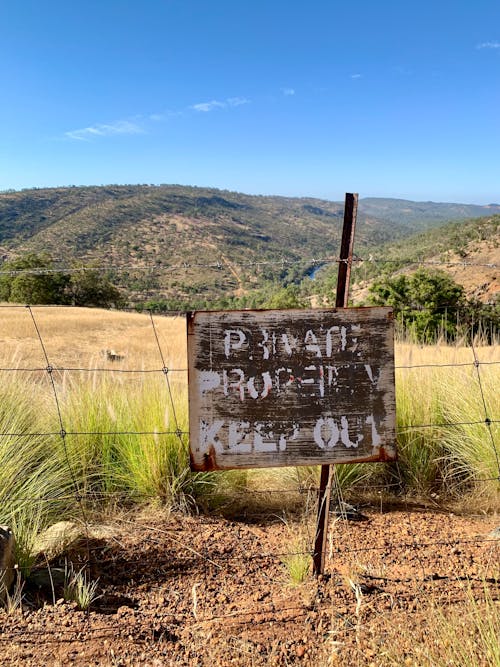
(185, 242)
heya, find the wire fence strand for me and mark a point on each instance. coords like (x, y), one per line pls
(219, 265)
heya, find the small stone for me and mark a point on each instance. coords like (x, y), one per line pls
(124, 611)
(300, 650)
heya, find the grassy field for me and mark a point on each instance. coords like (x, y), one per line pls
(446, 451)
(77, 337)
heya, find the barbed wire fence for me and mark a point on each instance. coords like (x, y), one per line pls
(349, 541)
(313, 262)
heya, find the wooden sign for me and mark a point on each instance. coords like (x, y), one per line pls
(291, 387)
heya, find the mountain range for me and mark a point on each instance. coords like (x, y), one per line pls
(190, 240)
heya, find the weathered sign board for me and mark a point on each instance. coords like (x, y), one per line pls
(291, 387)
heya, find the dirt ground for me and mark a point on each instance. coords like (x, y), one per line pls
(200, 591)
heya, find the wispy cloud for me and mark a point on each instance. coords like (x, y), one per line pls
(141, 123)
(205, 107)
(356, 76)
(488, 45)
(288, 92)
(208, 106)
(237, 101)
(163, 116)
(105, 130)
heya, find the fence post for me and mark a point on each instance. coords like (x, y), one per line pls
(341, 301)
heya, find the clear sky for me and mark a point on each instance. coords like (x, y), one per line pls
(301, 98)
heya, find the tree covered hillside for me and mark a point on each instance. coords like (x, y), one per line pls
(187, 245)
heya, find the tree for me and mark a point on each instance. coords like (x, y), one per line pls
(426, 303)
(34, 280)
(481, 319)
(286, 297)
(94, 289)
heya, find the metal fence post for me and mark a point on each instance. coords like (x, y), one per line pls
(344, 274)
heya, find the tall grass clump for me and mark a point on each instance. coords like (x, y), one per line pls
(298, 560)
(420, 446)
(444, 441)
(472, 447)
(133, 438)
(35, 489)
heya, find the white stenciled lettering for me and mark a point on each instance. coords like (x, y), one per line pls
(261, 445)
(289, 343)
(264, 344)
(208, 380)
(311, 343)
(236, 436)
(329, 340)
(369, 372)
(343, 338)
(332, 433)
(267, 385)
(344, 434)
(233, 340)
(308, 380)
(252, 392)
(287, 372)
(321, 382)
(208, 435)
(333, 374)
(317, 377)
(329, 343)
(376, 439)
(238, 385)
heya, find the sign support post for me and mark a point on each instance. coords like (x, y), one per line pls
(344, 274)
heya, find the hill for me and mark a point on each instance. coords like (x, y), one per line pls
(419, 216)
(186, 242)
(468, 251)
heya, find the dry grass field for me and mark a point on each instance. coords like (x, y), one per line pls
(77, 338)
(116, 358)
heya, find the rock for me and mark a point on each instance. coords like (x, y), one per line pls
(55, 539)
(7, 543)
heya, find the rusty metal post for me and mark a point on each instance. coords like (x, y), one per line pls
(344, 274)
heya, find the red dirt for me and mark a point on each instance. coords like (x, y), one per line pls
(203, 591)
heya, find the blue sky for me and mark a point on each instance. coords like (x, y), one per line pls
(397, 99)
